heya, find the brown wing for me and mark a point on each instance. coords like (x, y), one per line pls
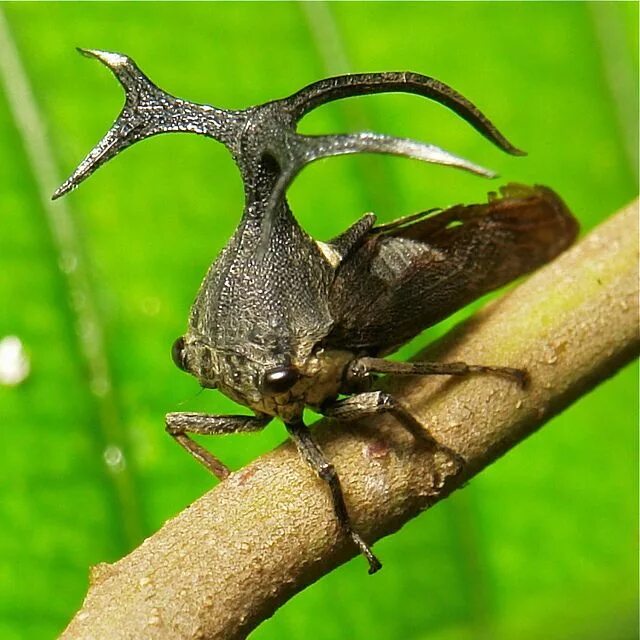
(409, 275)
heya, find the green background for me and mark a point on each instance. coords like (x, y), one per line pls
(542, 544)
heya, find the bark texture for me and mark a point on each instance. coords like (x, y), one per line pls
(232, 558)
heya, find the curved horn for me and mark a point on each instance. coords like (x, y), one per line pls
(311, 148)
(358, 84)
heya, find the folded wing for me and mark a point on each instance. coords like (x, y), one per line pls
(411, 274)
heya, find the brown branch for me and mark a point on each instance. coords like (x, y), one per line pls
(231, 559)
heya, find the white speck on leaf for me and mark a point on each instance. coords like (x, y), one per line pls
(14, 362)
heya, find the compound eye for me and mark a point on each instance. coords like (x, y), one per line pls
(178, 355)
(280, 379)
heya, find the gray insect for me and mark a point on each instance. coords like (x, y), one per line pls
(283, 321)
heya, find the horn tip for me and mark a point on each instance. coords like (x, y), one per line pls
(109, 58)
(61, 190)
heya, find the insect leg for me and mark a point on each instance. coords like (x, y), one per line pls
(362, 367)
(314, 457)
(372, 403)
(179, 425)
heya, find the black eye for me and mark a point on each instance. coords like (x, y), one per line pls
(280, 379)
(178, 354)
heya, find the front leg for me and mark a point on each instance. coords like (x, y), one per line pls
(179, 425)
(314, 457)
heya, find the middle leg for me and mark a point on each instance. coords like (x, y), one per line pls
(372, 403)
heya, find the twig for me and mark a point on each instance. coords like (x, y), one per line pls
(232, 558)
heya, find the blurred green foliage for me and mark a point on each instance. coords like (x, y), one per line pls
(543, 544)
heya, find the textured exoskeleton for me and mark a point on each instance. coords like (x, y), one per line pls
(283, 321)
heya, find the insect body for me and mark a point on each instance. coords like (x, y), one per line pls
(283, 321)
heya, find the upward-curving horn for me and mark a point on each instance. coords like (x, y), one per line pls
(358, 84)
